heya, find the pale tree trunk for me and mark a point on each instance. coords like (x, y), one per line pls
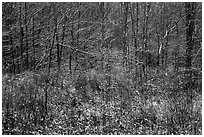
(21, 40)
(137, 44)
(134, 38)
(13, 53)
(124, 7)
(145, 37)
(176, 52)
(26, 37)
(61, 48)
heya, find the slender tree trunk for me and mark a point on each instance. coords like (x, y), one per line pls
(61, 48)
(163, 33)
(73, 44)
(168, 23)
(50, 57)
(137, 25)
(71, 54)
(102, 32)
(146, 35)
(126, 34)
(53, 39)
(137, 42)
(33, 37)
(63, 36)
(125, 15)
(21, 40)
(102, 15)
(176, 52)
(78, 25)
(26, 37)
(132, 15)
(102, 12)
(159, 46)
(58, 53)
(190, 26)
(13, 53)
(77, 35)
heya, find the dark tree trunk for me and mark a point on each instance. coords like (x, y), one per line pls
(50, 57)
(73, 45)
(190, 24)
(102, 16)
(63, 36)
(33, 35)
(78, 24)
(53, 39)
(58, 54)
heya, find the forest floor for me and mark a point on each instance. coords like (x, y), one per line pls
(86, 104)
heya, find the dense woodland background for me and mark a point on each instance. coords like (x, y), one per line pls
(101, 68)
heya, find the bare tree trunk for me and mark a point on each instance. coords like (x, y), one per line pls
(33, 37)
(163, 33)
(21, 39)
(103, 50)
(145, 37)
(50, 57)
(137, 25)
(190, 26)
(73, 44)
(101, 6)
(125, 16)
(76, 41)
(26, 37)
(53, 39)
(61, 48)
(78, 24)
(63, 36)
(146, 33)
(13, 53)
(58, 53)
(137, 42)
(168, 23)
(159, 46)
(134, 38)
(176, 52)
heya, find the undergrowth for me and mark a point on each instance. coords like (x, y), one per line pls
(100, 103)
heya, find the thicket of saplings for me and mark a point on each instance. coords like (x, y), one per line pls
(98, 102)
